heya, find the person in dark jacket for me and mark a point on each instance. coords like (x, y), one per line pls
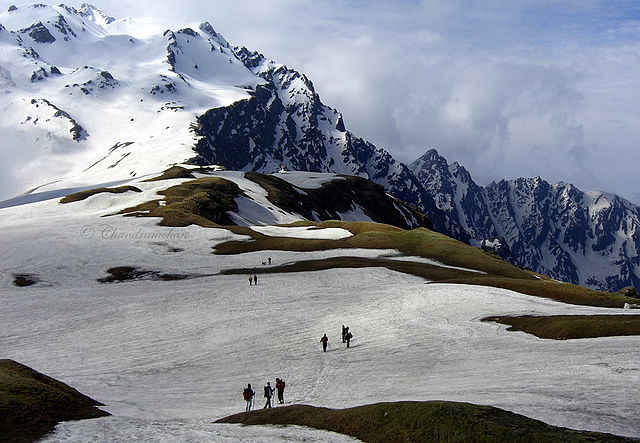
(325, 341)
(280, 389)
(248, 395)
(344, 331)
(255, 279)
(268, 393)
(348, 338)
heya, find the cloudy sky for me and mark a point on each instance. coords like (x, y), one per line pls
(506, 88)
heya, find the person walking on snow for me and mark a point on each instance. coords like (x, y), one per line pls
(344, 331)
(255, 279)
(250, 280)
(248, 395)
(324, 340)
(348, 337)
(268, 393)
(280, 389)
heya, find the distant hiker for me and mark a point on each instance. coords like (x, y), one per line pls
(280, 389)
(269, 260)
(268, 393)
(348, 338)
(324, 340)
(255, 279)
(344, 331)
(248, 395)
(250, 280)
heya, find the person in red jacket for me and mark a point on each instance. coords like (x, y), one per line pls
(324, 340)
(280, 389)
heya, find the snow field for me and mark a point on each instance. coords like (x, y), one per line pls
(308, 232)
(169, 357)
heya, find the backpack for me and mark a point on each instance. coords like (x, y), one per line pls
(246, 394)
(267, 391)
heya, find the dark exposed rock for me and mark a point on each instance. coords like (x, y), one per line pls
(24, 280)
(12, 8)
(55, 71)
(207, 28)
(340, 124)
(63, 26)
(30, 53)
(39, 74)
(39, 32)
(78, 133)
(189, 31)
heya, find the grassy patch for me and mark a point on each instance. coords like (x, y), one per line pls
(565, 327)
(432, 421)
(202, 202)
(424, 270)
(419, 242)
(82, 195)
(338, 197)
(31, 404)
(172, 173)
(425, 243)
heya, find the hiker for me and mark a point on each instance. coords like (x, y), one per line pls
(269, 260)
(324, 340)
(248, 395)
(268, 393)
(250, 280)
(348, 338)
(280, 389)
(255, 279)
(344, 331)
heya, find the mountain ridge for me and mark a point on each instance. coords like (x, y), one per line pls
(103, 106)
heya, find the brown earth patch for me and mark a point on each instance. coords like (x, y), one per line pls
(24, 280)
(126, 273)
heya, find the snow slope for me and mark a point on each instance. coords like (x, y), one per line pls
(168, 357)
(93, 99)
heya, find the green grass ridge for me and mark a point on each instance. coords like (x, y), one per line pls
(567, 327)
(31, 403)
(82, 195)
(413, 421)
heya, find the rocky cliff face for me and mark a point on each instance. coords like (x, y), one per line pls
(285, 124)
(588, 238)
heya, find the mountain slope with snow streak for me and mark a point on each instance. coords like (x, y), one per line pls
(587, 238)
(95, 105)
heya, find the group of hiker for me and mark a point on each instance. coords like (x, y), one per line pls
(248, 394)
(253, 278)
(347, 336)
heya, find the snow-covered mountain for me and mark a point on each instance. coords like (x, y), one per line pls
(91, 99)
(88, 101)
(588, 238)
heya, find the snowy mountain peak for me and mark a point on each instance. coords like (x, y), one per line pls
(94, 14)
